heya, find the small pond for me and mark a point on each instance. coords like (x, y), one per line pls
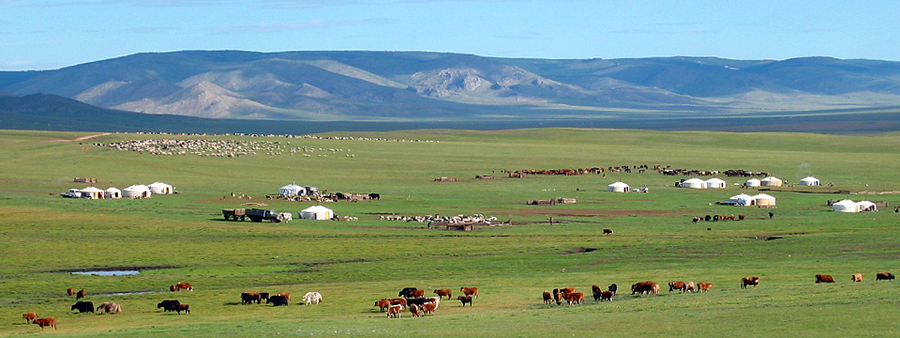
(107, 273)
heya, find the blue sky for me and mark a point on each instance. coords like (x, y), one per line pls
(45, 34)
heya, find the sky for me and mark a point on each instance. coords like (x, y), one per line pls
(45, 34)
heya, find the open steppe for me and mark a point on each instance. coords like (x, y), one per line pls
(183, 237)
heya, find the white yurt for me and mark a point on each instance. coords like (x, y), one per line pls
(845, 206)
(810, 181)
(136, 191)
(715, 183)
(161, 188)
(743, 199)
(764, 200)
(112, 192)
(316, 212)
(291, 190)
(694, 183)
(618, 187)
(866, 206)
(770, 181)
(93, 193)
(752, 183)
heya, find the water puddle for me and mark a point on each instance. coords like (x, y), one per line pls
(106, 273)
(126, 293)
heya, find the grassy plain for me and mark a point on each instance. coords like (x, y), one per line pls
(183, 237)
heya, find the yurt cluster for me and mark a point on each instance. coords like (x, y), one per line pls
(134, 191)
(851, 206)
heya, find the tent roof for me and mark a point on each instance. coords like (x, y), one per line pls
(844, 202)
(156, 184)
(112, 189)
(741, 197)
(764, 196)
(694, 180)
(292, 187)
(618, 184)
(91, 189)
(137, 187)
(715, 179)
(753, 180)
(316, 208)
(771, 178)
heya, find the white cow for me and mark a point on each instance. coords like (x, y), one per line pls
(312, 297)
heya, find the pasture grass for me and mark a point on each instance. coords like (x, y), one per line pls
(182, 237)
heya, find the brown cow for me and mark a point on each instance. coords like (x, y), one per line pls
(70, 291)
(396, 311)
(596, 291)
(444, 292)
(181, 286)
(399, 301)
(824, 279)
(464, 300)
(607, 231)
(655, 289)
(704, 286)
(414, 309)
(469, 291)
(80, 294)
(749, 281)
(574, 297)
(644, 287)
(606, 295)
(250, 297)
(884, 276)
(29, 317)
(109, 307)
(183, 307)
(429, 308)
(285, 294)
(677, 286)
(417, 293)
(51, 322)
(856, 277)
(384, 304)
(548, 297)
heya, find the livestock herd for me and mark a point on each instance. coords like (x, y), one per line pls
(414, 299)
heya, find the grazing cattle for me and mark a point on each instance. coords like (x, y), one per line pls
(312, 297)
(83, 307)
(429, 308)
(183, 307)
(606, 295)
(644, 287)
(703, 287)
(414, 310)
(696, 219)
(263, 296)
(596, 291)
(612, 288)
(109, 307)
(420, 301)
(29, 317)
(556, 296)
(677, 286)
(250, 297)
(399, 301)
(80, 294)
(548, 297)
(395, 311)
(168, 305)
(469, 291)
(286, 295)
(277, 300)
(70, 291)
(464, 300)
(740, 217)
(655, 289)
(707, 218)
(375, 196)
(405, 293)
(607, 231)
(824, 279)
(384, 304)
(51, 322)
(564, 291)
(884, 276)
(574, 297)
(689, 287)
(416, 293)
(181, 286)
(749, 281)
(436, 301)
(444, 292)
(856, 277)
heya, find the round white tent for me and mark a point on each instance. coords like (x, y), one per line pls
(715, 183)
(316, 212)
(112, 192)
(93, 193)
(752, 183)
(866, 206)
(764, 200)
(810, 181)
(618, 187)
(136, 191)
(161, 188)
(770, 181)
(694, 183)
(291, 190)
(845, 206)
(743, 199)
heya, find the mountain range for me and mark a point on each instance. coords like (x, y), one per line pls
(434, 87)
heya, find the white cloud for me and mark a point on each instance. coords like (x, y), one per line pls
(295, 26)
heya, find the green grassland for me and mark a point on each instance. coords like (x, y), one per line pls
(182, 237)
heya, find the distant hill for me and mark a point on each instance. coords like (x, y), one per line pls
(442, 87)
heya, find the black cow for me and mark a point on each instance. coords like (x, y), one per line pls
(419, 301)
(884, 276)
(613, 288)
(168, 305)
(83, 307)
(277, 300)
(406, 293)
(375, 196)
(264, 295)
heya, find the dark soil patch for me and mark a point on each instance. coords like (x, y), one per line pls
(119, 268)
(579, 250)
